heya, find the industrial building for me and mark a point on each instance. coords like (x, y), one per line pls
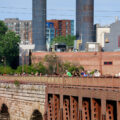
(109, 36)
(112, 42)
(100, 34)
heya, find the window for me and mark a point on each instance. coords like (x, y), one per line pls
(108, 63)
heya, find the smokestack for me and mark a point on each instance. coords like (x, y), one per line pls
(84, 21)
(39, 24)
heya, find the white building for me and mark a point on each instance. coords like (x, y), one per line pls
(100, 34)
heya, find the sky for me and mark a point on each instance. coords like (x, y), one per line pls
(104, 13)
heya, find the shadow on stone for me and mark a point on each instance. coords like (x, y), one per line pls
(36, 115)
(4, 114)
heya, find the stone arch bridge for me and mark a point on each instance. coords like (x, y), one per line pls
(59, 98)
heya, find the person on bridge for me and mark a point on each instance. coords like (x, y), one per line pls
(68, 73)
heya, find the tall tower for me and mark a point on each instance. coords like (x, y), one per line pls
(84, 21)
(39, 24)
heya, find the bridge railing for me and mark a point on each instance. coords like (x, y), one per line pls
(71, 81)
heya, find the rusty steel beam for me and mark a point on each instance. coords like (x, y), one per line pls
(53, 107)
(73, 108)
(80, 115)
(80, 108)
(85, 110)
(66, 108)
(118, 110)
(56, 107)
(103, 109)
(109, 112)
(50, 107)
(61, 106)
(95, 109)
(103, 117)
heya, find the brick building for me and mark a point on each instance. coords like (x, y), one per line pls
(108, 63)
(63, 27)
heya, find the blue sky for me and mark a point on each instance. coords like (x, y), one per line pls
(105, 10)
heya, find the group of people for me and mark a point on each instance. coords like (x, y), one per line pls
(96, 73)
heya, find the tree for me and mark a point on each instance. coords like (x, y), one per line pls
(3, 28)
(52, 61)
(9, 46)
(68, 40)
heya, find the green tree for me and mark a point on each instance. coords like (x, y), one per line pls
(3, 28)
(9, 46)
(68, 40)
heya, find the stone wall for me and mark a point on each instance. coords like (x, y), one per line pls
(22, 99)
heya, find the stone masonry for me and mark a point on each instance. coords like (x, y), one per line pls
(22, 99)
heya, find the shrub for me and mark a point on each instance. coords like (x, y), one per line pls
(66, 66)
(18, 70)
(6, 70)
(73, 69)
(40, 68)
(26, 68)
(92, 72)
(17, 83)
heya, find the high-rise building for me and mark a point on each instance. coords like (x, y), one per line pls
(23, 28)
(63, 27)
